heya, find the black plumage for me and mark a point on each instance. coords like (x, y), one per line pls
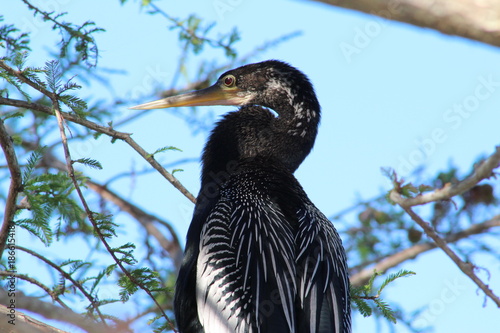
(260, 257)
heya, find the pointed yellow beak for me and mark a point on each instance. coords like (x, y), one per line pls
(214, 95)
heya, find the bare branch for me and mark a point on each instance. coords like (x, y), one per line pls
(50, 311)
(23, 323)
(477, 20)
(364, 275)
(466, 267)
(14, 189)
(482, 171)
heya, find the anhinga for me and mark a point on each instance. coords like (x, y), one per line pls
(260, 257)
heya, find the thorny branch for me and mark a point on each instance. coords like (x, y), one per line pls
(61, 118)
(466, 267)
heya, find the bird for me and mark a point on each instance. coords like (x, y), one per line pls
(259, 256)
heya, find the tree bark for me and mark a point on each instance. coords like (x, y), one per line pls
(23, 323)
(474, 19)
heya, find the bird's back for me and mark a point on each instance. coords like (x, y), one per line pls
(261, 258)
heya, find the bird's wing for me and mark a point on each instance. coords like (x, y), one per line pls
(323, 283)
(246, 275)
(186, 313)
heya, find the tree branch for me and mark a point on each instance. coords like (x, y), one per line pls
(362, 277)
(482, 171)
(172, 246)
(23, 323)
(477, 20)
(126, 137)
(90, 214)
(67, 276)
(147, 220)
(16, 186)
(55, 297)
(466, 267)
(50, 311)
(98, 128)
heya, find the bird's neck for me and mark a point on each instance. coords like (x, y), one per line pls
(255, 132)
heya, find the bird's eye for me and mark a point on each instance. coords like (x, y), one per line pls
(229, 81)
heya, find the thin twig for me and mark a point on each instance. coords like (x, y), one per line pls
(172, 246)
(126, 137)
(482, 171)
(75, 283)
(50, 292)
(16, 186)
(466, 267)
(88, 211)
(362, 277)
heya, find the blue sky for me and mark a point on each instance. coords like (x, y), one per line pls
(392, 95)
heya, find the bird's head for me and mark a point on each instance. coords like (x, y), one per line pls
(271, 83)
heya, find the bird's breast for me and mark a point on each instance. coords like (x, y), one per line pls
(246, 259)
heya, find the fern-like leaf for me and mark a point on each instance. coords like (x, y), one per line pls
(53, 75)
(395, 276)
(31, 163)
(89, 162)
(164, 149)
(363, 307)
(385, 310)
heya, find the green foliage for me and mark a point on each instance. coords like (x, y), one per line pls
(177, 170)
(31, 163)
(9, 115)
(164, 149)
(52, 75)
(140, 276)
(46, 194)
(105, 225)
(194, 35)
(12, 39)
(407, 190)
(362, 294)
(80, 37)
(89, 162)
(125, 251)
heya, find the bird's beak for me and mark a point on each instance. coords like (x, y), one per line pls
(214, 95)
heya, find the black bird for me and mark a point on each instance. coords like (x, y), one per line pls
(260, 257)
